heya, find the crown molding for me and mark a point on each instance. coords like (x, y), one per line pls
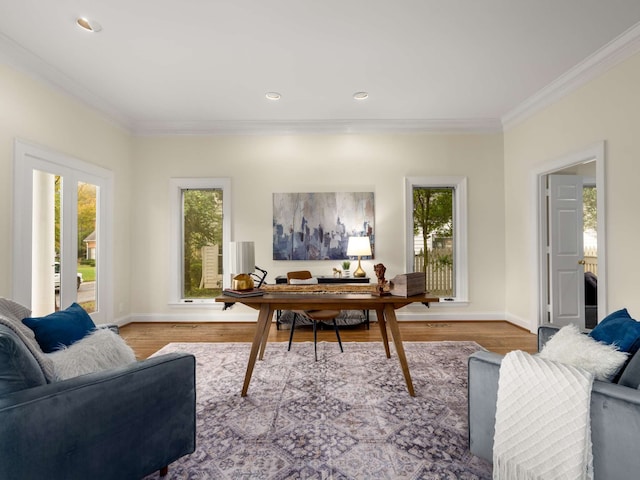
(596, 64)
(616, 51)
(18, 57)
(291, 127)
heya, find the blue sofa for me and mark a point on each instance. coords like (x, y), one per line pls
(123, 423)
(615, 413)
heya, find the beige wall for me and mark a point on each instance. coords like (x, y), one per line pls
(261, 165)
(38, 114)
(500, 196)
(606, 109)
(258, 166)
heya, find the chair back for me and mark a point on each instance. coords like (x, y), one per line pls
(299, 275)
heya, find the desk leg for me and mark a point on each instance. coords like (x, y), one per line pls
(383, 330)
(390, 316)
(265, 335)
(263, 320)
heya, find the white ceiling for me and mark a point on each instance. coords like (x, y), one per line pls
(180, 66)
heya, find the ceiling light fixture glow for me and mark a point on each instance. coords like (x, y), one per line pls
(273, 95)
(88, 25)
(360, 95)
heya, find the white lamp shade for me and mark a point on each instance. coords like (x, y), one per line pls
(359, 247)
(242, 256)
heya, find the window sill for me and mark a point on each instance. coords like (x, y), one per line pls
(196, 302)
(450, 303)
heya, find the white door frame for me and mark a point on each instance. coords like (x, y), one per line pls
(595, 153)
(27, 157)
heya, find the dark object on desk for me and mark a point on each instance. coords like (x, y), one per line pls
(408, 284)
(280, 279)
(314, 315)
(380, 270)
(254, 292)
(260, 278)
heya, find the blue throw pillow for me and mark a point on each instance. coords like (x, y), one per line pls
(620, 329)
(61, 328)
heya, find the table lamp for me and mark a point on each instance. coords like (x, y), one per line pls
(359, 247)
(242, 255)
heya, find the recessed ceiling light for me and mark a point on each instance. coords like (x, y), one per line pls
(360, 95)
(88, 25)
(273, 95)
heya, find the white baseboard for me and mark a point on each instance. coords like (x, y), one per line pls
(521, 322)
(251, 316)
(450, 317)
(121, 321)
(193, 317)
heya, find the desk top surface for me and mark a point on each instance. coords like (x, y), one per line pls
(355, 301)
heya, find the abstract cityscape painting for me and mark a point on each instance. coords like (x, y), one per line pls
(317, 226)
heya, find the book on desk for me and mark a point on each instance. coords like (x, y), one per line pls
(254, 292)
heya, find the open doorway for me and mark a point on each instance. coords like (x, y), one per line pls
(571, 240)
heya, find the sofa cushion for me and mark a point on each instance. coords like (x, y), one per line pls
(619, 328)
(18, 367)
(571, 347)
(101, 350)
(61, 328)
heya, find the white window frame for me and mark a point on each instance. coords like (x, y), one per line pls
(176, 186)
(29, 157)
(459, 185)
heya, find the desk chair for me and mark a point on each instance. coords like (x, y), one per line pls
(314, 315)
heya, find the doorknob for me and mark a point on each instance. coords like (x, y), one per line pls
(581, 262)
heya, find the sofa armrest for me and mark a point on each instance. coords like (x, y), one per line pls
(484, 372)
(545, 332)
(615, 431)
(615, 419)
(111, 326)
(121, 423)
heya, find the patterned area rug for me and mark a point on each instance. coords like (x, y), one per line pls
(346, 416)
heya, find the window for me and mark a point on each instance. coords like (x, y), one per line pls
(436, 209)
(200, 237)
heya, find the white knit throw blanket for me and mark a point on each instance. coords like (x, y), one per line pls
(543, 427)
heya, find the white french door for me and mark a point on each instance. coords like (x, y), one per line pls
(62, 217)
(566, 252)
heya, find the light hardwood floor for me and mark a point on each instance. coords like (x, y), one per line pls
(496, 336)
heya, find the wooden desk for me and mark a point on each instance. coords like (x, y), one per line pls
(384, 306)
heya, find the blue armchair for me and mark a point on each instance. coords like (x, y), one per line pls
(123, 423)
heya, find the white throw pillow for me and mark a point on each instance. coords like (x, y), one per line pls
(101, 350)
(571, 347)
